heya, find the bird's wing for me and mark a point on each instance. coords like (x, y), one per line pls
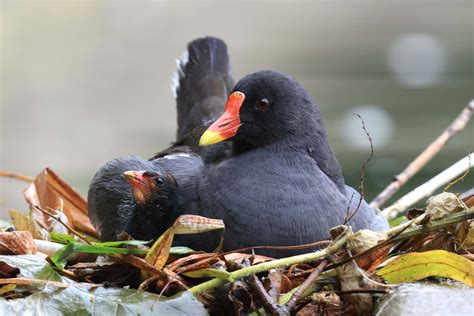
(275, 201)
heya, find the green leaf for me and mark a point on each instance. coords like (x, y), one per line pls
(180, 250)
(61, 238)
(33, 267)
(61, 255)
(101, 301)
(122, 243)
(208, 272)
(397, 221)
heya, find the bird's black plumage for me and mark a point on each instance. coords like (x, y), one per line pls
(114, 209)
(203, 81)
(276, 183)
(282, 185)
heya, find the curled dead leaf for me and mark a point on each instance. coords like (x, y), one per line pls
(185, 224)
(194, 224)
(364, 240)
(49, 191)
(443, 204)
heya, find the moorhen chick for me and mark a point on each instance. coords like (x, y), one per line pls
(141, 197)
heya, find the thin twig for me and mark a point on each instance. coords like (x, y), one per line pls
(69, 228)
(307, 283)
(362, 176)
(426, 189)
(454, 128)
(302, 246)
(279, 263)
(461, 178)
(144, 285)
(16, 176)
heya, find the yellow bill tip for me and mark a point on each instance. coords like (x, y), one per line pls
(210, 138)
(129, 174)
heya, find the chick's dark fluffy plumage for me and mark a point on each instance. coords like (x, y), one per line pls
(113, 208)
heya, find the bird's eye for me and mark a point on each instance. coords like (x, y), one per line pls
(159, 180)
(263, 105)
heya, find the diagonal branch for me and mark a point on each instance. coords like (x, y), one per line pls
(434, 148)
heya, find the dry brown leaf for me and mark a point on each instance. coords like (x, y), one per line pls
(7, 271)
(194, 224)
(273, 283)
(351, 277)
(363, 240)
(160, 251)
(185, 224)
(323, 303)
(17, 243)
(240, 257)
(469, 201)
(48, 190)
(190, 259)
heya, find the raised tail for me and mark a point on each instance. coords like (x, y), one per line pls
(201, 83)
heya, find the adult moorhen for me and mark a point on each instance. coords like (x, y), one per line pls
(282, 184)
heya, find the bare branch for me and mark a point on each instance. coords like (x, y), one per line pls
(69, 228)
(307, 283)
(16, 176)
(454, 128)
(426, 189)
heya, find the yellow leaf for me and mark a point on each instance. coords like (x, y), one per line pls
(419, 265)
(160, 251)
(7, 288)
(24, 222)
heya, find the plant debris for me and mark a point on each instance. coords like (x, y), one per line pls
(53, 257)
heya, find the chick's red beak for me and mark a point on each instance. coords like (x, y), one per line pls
(227, 124)
(140, 184)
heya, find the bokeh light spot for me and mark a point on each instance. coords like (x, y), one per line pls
(378, 122)
(417, 60)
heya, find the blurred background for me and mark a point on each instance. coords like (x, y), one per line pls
(83, 82)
